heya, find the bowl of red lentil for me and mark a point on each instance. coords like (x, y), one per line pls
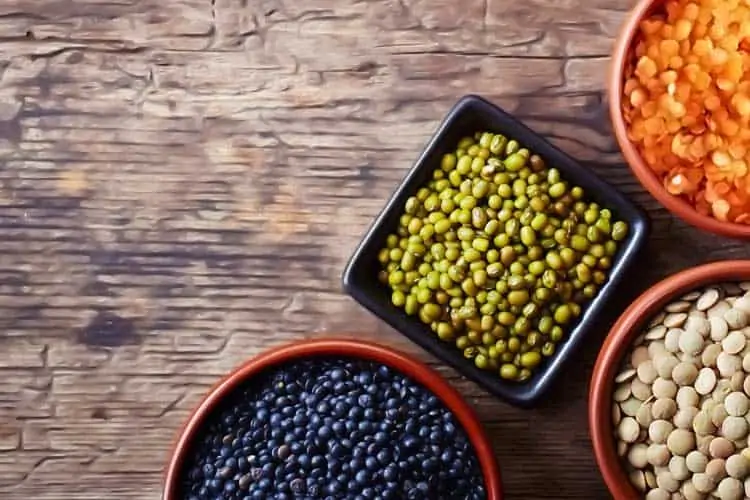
(679, 94)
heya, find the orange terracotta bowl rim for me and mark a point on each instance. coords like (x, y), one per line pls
(335, 347)
(616, 345)
(638, 166)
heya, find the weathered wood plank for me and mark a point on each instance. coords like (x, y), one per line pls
(182, 181)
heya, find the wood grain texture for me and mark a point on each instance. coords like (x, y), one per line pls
(182, 181)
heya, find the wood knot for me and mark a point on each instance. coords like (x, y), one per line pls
(107, 329)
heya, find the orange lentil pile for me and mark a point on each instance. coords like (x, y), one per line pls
(687, 103)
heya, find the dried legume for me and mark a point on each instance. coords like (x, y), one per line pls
(499, 254)
(687, 104)
(683, 399)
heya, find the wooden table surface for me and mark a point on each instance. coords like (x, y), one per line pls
(182, 181)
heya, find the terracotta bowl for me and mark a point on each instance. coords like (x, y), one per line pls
(286, 354)
(650, 181)
(618, 343)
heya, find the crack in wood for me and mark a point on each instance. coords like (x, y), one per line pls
(171, 405)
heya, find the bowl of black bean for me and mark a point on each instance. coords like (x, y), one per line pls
(332, 419)
(498, 252)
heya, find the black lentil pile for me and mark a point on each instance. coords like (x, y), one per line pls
(334, 429)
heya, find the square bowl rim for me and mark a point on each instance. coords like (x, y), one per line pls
(526, 394)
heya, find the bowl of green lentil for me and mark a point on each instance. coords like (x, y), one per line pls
(497, 253)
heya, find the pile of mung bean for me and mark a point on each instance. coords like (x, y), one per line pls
(499, 254)
(681, 404)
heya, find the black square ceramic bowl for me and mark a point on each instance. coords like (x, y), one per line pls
(472, 114)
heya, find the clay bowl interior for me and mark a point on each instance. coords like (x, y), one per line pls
(617, 344)
(335, 348)
(678, 206)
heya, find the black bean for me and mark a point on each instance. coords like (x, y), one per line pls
(333, 429)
